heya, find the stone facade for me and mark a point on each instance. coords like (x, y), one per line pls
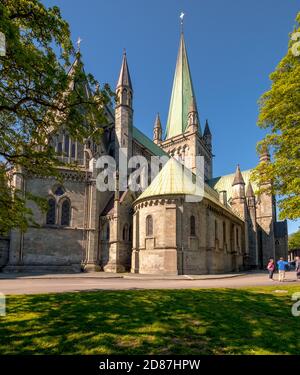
(229, 230)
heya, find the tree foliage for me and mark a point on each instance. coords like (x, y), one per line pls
(280, 114)
(37, 95)
(294, 240)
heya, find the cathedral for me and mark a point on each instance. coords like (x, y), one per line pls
(157, 230)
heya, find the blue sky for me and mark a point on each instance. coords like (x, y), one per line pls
(233, 46)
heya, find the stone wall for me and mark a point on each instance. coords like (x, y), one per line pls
(4, 249)
(216, 246)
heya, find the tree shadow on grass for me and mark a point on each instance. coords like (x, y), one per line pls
(210, 321)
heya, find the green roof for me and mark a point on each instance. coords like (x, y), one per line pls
(146, 142)
(171, 181)
(182, 94)
(222, 183)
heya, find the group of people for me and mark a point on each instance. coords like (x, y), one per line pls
(282, 266)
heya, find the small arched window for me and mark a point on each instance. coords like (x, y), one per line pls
(130, 233)
(73, 149)
(50, 219)
(67, 144)
(124, 96)
(125, 232)
(107, 232)
(192, 226)
(65, 212)
(149, 225)
(237, 237)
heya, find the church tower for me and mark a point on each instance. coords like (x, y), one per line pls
(183, 139)
(266, 216)
(124, 113)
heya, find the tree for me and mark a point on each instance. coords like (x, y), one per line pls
(280, 114)
(294, 240)
(39, 90)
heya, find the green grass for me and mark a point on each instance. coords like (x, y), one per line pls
(193, 321)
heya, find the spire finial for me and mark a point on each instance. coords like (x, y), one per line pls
(79, 40)
(181, 20)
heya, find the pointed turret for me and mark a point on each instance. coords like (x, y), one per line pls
(249, 191)
(182, 94)
(238, 201)
(123, 116)
(193, 121)
(207, 137)
(250, 196)
(124, 86)
(157, 130)
(238, 177)
(124, 77)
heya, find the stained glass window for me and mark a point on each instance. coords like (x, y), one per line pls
(50, 219)
(59, 190)
(65, 213)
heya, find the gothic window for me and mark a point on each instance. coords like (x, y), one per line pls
(149, 225)
(124, 96)
(130, 233)
(67, 142)
(65, 212)
(216, 230)
(59, 191)
(237, 237)
(224, 233)
(59, 148)
(125, 232)
(107, 232)
(50, 219)
(192, 226)
(73, 149)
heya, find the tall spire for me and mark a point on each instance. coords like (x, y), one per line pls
(124, 77)
(182, 94)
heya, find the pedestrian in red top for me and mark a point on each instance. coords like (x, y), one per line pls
(271, 268)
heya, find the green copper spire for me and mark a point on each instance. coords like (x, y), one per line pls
(182, 94)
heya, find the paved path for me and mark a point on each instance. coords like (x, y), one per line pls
(34, 284)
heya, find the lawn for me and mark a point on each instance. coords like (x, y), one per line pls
(190, 321)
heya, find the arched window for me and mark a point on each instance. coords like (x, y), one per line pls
(192, 226)
(130, 233)
(73, 149)
(59, 148)
(149, 225)
(125, 232)
(216, 229)
(67, 142)
(124, 96)
(107, 232)
(65, 212)
(224, 233)
(50, 218)
(59, 190)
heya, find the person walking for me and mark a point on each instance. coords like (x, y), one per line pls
(297, 267)
(282, 264)
(271, 268)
